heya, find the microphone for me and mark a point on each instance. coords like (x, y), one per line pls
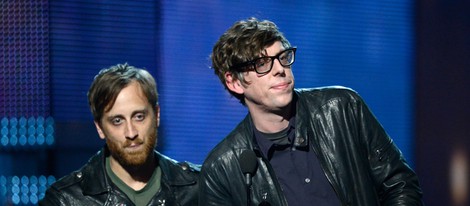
(248, 164)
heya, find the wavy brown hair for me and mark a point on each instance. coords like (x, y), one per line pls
(109, 82)
(244, 41)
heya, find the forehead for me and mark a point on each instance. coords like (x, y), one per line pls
(274, 49)
(129, 99)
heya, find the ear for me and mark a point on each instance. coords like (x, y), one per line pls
(100, 131)
(233, 83)
(157, 115)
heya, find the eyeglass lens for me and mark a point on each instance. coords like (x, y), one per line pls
(265, 64)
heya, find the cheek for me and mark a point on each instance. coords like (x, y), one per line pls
(112, 134)
(251, 77)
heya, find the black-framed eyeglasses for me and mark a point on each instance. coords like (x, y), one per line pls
(263, 65)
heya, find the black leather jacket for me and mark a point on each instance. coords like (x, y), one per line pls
(91, 186)
(359, 159)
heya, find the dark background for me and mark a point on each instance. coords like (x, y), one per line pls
(442, 101)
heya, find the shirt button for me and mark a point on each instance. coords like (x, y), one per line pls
(307, 180)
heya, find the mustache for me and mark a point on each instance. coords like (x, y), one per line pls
(128, 142)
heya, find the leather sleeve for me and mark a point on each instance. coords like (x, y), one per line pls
(212, 190)
(397, 183)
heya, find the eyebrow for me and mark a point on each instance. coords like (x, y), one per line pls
(111, 117)
(266, 53)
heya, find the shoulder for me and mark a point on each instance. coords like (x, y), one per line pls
(183, 171)
(323, 95)
(61, 191)
(75, 184)
(173, 164)
(327, 91)
(69, 180)
(237, 140)
(87, 171)
(182, 176)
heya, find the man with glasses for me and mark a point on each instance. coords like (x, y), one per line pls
(315, 146)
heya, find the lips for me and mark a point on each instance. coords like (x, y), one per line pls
(133, 145)
(134, 149)
(282, 85)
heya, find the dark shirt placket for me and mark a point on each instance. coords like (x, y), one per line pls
(297, 169)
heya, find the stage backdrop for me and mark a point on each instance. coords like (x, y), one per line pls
(51, 51)
(367, 46)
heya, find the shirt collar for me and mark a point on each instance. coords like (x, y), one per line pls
(267, 146)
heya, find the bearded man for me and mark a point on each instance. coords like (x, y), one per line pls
(128, 170)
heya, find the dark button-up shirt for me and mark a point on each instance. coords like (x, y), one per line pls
(297, 168)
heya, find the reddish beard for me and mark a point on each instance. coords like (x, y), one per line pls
(134, 158)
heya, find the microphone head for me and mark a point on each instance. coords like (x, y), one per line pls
(248, 162)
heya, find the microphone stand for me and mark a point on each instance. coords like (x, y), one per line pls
(248, 189)
(248, 164)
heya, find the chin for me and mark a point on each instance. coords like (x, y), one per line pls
(285, 100)
(136, 160)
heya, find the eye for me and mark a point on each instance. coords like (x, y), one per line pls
(117, 121)
(262, 62)
(139, 116)
(286, 57)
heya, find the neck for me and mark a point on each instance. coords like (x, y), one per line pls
(271, 121)
(135, 177)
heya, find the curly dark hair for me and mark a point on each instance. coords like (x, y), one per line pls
(244, 41)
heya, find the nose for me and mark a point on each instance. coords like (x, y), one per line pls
(131, 131)
(278, 68)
